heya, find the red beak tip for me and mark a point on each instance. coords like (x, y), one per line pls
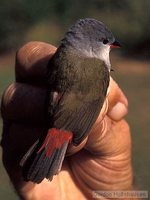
(115, 44)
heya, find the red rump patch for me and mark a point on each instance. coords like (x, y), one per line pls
(54, 140)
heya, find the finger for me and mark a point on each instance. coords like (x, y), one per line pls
(108, 138)
(74, 149)
(31, 62)
(24, 103)
(118, 104)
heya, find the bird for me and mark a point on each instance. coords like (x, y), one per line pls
(77, 78)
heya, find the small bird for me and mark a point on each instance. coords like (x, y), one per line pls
(77, 81)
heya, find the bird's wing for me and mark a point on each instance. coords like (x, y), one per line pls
(77, 112)
(77, 115)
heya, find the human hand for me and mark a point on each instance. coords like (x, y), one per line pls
(104, 159)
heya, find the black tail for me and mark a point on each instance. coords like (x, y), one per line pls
(45, 162)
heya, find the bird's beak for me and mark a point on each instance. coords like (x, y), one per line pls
(115, 44)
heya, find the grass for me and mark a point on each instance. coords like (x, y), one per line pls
(134, 79)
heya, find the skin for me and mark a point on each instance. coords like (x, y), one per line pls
(104, 159)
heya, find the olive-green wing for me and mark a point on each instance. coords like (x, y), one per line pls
(77, 116)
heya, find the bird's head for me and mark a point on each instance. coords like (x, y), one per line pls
(91, 38)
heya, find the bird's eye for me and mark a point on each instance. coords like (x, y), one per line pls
(105, 41)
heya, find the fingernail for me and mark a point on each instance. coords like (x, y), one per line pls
(118, 111)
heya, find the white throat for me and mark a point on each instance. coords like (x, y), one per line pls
(102, 54)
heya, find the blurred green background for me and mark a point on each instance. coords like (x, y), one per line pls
(25, 20)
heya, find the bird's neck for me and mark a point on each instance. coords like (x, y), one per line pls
(102, 53)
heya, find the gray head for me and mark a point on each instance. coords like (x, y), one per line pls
(91, 38)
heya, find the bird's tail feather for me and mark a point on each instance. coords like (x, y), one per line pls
(46, 161)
